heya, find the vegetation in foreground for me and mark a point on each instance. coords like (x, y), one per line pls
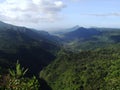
(16, 80)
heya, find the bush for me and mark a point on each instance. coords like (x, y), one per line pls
(15, 80)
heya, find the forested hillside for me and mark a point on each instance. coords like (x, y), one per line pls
(34, 49)
(86, 70)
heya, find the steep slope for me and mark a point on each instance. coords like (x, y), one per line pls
(34, 50)
(88, 70)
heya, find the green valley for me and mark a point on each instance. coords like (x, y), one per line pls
(81, 59)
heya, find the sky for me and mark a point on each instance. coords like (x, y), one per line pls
(56, 14)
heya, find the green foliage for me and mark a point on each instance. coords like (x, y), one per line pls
(22, 84)
(15, 80)
(19, 72)
(87, 70)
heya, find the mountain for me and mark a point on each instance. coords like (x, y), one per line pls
(81, 38)
(81, 33)
(34, 49)
(60, 32)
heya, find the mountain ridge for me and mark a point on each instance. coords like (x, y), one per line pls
(27, 45)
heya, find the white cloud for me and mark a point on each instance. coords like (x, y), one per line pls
(30, 11)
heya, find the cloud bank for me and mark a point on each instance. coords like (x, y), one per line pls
(116, 14)
(30, 11)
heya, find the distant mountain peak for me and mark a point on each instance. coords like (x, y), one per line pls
(81, 33)
(75, 27)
